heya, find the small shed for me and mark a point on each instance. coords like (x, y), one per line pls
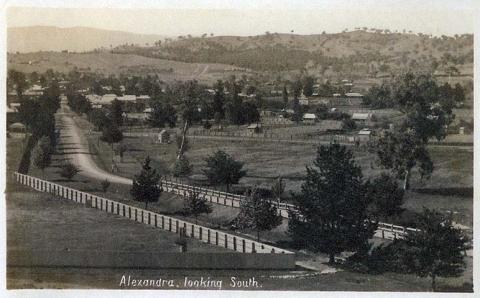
(255, 128)
(164, 137)
(364, 134)
(361, 117)
(17, 127)
(309, 118)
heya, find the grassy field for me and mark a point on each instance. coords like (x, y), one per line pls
(42, 230)
(449, 189)
(108, 63)
(268, 280)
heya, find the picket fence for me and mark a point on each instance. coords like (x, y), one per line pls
(167, 223)
(384, 230)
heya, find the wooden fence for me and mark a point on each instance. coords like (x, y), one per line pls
(384, 230)
(150, 218)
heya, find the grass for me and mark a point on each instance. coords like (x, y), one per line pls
(298, 280)
(449, 188)
(48, 233)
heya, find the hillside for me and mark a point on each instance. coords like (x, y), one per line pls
(108, 63)
(77, 39)
(347, 52)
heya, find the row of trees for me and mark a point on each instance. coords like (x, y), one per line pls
(338, 211)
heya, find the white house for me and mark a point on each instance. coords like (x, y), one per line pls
(309, 118)
(361, 117)
(364, 134)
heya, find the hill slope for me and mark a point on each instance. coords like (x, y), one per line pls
(46, 38)
(347, 50)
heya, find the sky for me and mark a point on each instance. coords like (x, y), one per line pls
(247, 17)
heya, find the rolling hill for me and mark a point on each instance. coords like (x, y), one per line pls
(77, 39)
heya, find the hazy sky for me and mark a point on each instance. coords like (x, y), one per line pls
(249, 17)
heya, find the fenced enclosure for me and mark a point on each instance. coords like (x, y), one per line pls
(164, 222)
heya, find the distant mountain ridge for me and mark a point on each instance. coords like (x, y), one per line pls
(78, 39)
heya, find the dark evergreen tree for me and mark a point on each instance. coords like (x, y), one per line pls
(221, 168)
(332, 214)
(437, 248)
(145, 187)
(258, 214)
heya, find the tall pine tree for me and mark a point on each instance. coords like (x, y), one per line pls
(146, 186)
(332, 214)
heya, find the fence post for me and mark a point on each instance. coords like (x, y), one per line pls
(216, 238)
(243, 245)
(226, 243)
(176, 227)
(193, 231)
(235, 243)
(208, 236)
(253, 247)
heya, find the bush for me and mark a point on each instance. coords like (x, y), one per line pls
(68, 170)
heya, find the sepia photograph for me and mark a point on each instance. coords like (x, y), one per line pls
(310, 146)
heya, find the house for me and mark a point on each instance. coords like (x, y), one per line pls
(164, 137)
(353, 94)
(361, 117)
(331, 126)
(309, 118)
(255, 128)
(364, 135)
(127, 98)
(107, 99)
(147, 112)
(303, 102)
(35, 90)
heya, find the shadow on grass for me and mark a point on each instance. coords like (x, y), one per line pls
(447, 191)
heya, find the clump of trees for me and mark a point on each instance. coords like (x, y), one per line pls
(428, 111)
(145, 187)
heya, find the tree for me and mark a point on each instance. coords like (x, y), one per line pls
(42, 154)
(219, 101)
(249, 113)
(427, 114)
(278, 188)
(331, 209)
(111, 134)
(105, 184)
(162, 114)
(116, 112)
(145, 187)
(308, 83)
(195, 204)
(121, 151)
(401, 152)
(223, 169)
(386, 197)
(437, 248)
(257, 214)
(297, 110)
(285, 96)
(68, 170)
(98, 118)
(182, 167)
(17, 80)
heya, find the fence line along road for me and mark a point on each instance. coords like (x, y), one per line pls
(384, 230)
(167, 223)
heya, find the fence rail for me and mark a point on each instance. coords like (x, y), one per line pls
(167, 223)
(384, 230)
